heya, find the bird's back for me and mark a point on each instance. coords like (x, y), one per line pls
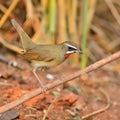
(52, 54)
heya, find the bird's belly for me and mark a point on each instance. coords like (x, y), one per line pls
(45, 64)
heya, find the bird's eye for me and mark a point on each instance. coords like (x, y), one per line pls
(71, 48)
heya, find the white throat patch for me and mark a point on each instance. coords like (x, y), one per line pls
(69, 52)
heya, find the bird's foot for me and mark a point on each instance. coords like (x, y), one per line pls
(43, 88)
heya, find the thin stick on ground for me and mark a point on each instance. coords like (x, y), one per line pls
(100, 110)
(60, 82)
(49, 108)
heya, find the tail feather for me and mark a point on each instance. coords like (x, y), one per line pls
(25, 39)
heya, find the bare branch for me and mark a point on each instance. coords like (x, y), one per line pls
(59, 82)
(11, 46)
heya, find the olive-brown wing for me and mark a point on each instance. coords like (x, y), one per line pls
(38, 56)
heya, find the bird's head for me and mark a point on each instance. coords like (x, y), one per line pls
(71, 48)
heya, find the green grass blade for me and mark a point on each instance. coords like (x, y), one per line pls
(84, 57)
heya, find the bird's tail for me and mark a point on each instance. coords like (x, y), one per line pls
(26, 40)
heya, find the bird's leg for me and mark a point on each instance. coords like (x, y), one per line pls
(41, 83)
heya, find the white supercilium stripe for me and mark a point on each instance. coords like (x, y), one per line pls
(71, 46)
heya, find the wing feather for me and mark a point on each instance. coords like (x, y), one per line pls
(43, 56)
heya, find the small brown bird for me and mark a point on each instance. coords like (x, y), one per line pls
(44, 56)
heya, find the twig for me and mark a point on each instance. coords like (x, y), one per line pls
(113, 10)
(60, 82)
(4, 10)
(9, 62)
(11, 46)
(3, 59)
(49, 108)
(5, 84)
(8, 12)
(100, 110)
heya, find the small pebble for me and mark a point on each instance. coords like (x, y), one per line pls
(14, 63)
(50, 77)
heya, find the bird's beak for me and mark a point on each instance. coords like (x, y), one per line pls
(79, 51)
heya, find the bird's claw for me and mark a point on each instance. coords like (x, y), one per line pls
(43, 89)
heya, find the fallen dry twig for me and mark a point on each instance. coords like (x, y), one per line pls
(49, 108)
(59, 82)
(108, 103)
(11, 46)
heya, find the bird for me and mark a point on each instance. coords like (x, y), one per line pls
(44, 55)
